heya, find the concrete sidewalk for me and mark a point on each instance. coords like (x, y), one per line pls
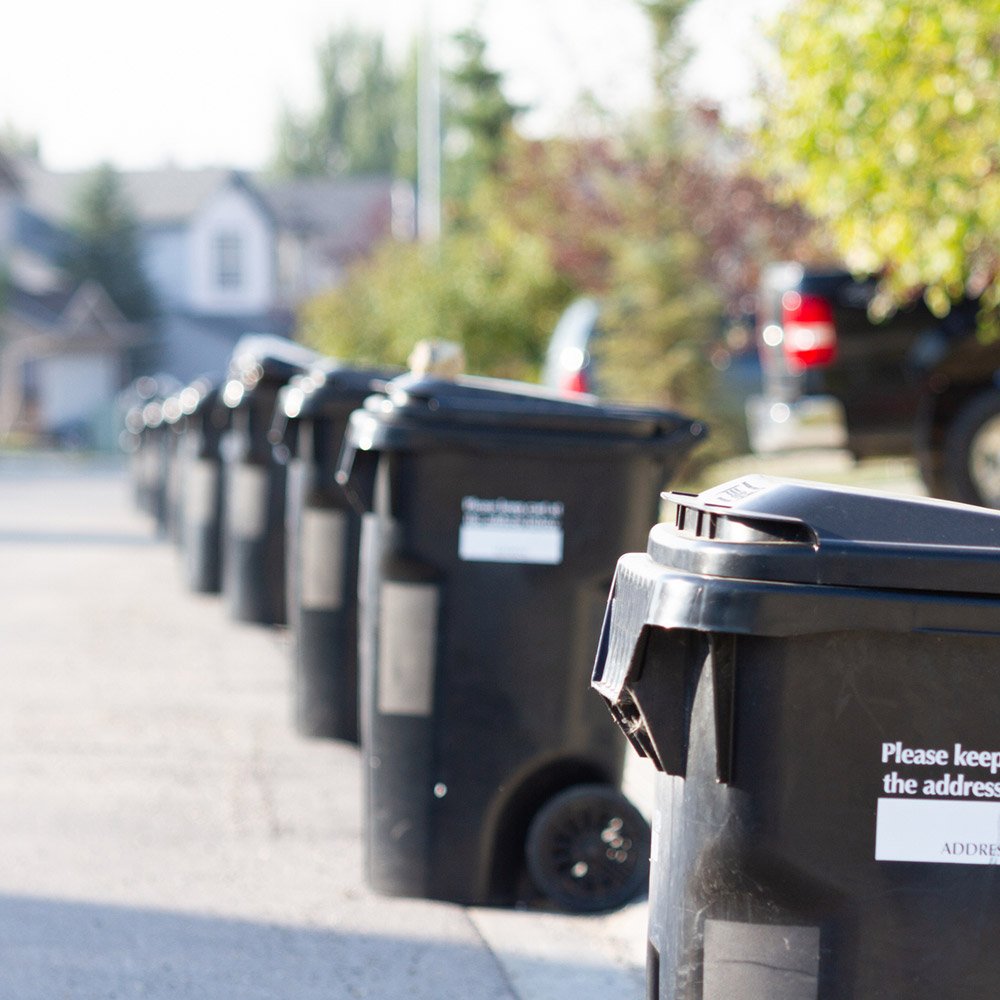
(163, 831)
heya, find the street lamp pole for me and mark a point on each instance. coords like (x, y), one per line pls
(429, 132)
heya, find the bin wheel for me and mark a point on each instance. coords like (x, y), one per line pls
(587, 849)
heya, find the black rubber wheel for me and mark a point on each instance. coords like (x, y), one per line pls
(587, 849)
(972, 452)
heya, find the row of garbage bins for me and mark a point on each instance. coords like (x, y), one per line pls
(810, 668)
(441, 549)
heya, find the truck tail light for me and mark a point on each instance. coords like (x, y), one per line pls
(575, 382)
(810, 338)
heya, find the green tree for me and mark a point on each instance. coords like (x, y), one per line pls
(668, 234)
(669, 51)
(106, 247)
(661, 307)
(561, 190)
(479, 118)
(662, 310)
(15, 142)
(490, 283)
(886, 126)
(360, 124)
(490, 286)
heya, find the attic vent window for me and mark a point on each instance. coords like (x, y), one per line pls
(228, 260)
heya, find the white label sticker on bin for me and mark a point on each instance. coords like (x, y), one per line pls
(322, 548)
(201, 486)
(944, 806)
(407, 648)
(246, 500)
(511, 531)
(949, 832)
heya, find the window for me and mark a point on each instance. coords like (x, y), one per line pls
(228, 260)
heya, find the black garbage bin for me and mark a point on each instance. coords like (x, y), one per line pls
(200, 513)
(155, 459)
(145, 440)
(131, 440)
(322, 538)
(813, 669)
(496, 511)
(253, 557)
(175, 443)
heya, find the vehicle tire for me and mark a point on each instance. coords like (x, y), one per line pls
(971, 460)
(587, 849)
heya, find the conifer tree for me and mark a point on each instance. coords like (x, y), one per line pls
(360, 124)
(106, 244)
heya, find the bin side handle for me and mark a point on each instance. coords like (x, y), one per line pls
(356, 476)
(723, 658)
(655, 704)
(658, 700)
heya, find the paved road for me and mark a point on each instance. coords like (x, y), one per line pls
(164, 833)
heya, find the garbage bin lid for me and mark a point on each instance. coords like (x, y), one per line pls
(261, 356)
(187, 401)
(418, 410)
(199, 395)
(264, 359)
(171, 409)
(329, 388)
(787, 530)
(152, 414)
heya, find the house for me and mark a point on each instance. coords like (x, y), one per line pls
(224, 252)
(64, 346)
(324, 226)
(208, 249)
(63, 362)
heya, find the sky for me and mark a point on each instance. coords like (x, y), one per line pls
(204, 82)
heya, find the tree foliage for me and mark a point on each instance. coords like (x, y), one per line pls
(479, 118)
(106, 244)
(661, 310)
(490, 286)
(886, 126)
(366, 117)
(688, 230)
(16, 142)
(669, 52)
(490, 283)
(360, 125)
(668, 229)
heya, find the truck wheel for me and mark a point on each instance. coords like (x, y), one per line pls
(972, 452)
(587, 849)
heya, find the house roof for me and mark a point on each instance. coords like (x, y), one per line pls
(158, 197)
(169, 196)
(318, 204)
(71, 315)
(40, 236)
(345, 215)
(38, 308)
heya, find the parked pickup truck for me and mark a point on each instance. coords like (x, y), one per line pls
(913, 384)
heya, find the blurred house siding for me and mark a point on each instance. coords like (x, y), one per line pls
(225, 254)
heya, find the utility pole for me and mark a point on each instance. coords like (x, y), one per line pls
(429, 132)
